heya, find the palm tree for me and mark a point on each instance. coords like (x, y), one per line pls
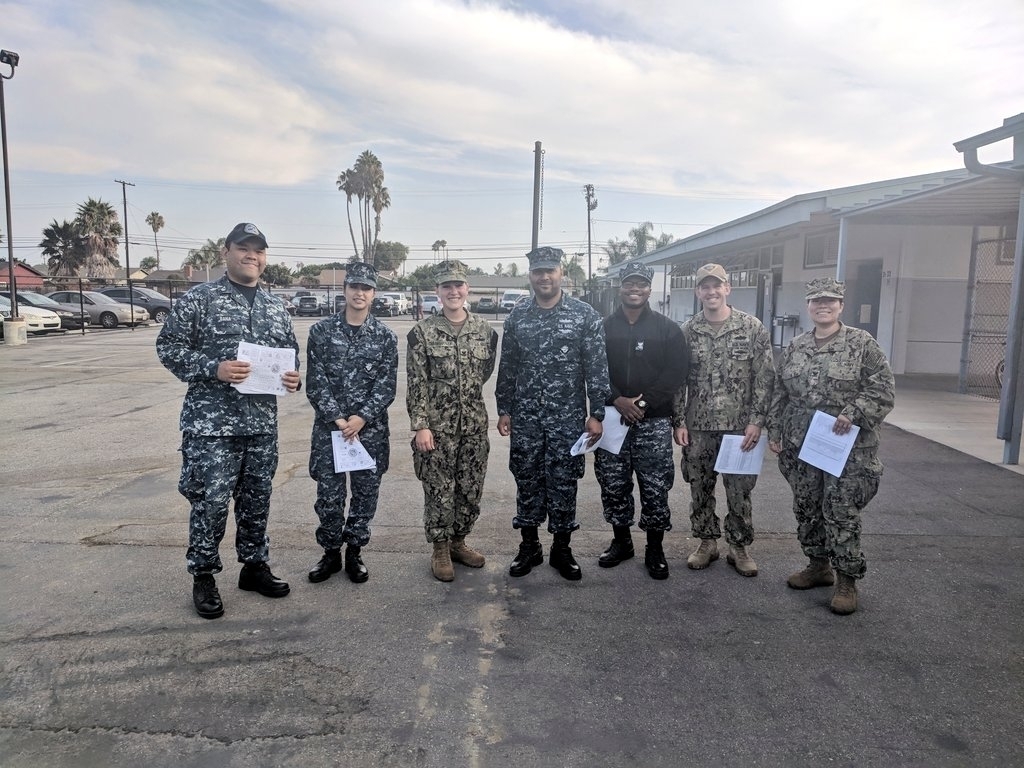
(641, 238)
(437, 246)
(206, 256)
(618, 251)
(348, 183)
(512, 270)
(156, 221)
(63, 248)
(100, 228)
(499, 269)
(573, 271)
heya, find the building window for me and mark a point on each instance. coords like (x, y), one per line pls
(821, 250)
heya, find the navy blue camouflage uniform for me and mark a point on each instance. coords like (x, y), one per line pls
(649, 358)
(552, 360)
(352, 372)
(229, 440)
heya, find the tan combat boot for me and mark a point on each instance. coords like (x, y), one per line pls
(441, 562)
(704, 555)
(741, 561)
(844, 600)
(462, 554)
(818, 573)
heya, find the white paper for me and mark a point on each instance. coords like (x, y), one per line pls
(733, 460)
(266, 366)
(823, 448)
(349, 455)
(612, 436)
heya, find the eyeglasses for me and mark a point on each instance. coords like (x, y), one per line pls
(643, 285)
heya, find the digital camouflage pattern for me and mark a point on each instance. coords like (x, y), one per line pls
(698, 467)
(647, 451)
(352, 371)
(229, 440)
(453, 481)
(731, 375)
(446, 371)
(214, 471)
(729, 387)
(848, 376)
(648, 357)
(203, 330)
(552, 361)
(446, 374)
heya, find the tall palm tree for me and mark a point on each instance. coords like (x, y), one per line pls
(63, 248)
(618, 251)
(156, 221)
(574, 273)
(206, 256)
(100, 228)
(381, 200)
(348, 183)
(512, 270)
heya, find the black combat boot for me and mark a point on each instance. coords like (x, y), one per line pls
(256, 577)
(620, 549)
(654, 557)
(329, 565)
(562, 560)
(206, 597)
(530, 553)
(354, 565)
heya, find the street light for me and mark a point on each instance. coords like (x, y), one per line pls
(11, 59)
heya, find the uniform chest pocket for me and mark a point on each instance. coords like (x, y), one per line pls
(740, 348)
(843, 372)
(565, 349)
(444, 363)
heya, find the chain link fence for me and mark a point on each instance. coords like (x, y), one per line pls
(992, 268)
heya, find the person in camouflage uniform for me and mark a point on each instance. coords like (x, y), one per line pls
(728, 392)
(648, 361)
(552, 360)
(352, 359)
(843, 372)
(449, 356)
(229, 439)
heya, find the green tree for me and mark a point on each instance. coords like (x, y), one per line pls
(156, 223)
(277, 274)
(100, 228)
(640, 238)
(391, 255)
(618, 251)
(499, 269)
(365, 182)
(149, 263)
(440, 246)
(512, 270)
(573, 271)
(64, 248)
(206, 256)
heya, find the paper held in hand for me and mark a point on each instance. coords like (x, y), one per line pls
(612, 436)
(266, 366)
(349, 455)
(823, 448)
(732, 460)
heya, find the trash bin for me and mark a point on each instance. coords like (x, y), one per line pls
(15, 331)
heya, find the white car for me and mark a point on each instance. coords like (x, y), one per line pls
(37, 320)
(431, 304)
(402, 304)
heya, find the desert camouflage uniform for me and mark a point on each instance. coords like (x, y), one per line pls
(446, 372)
(352, 372)
(729, 387)
(848, 376)
(649, 357)
(229, 440)
(552, 360)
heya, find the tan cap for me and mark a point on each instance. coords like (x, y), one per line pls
(451, 271)
(716, 271)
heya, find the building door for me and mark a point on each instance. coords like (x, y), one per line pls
(863, 295)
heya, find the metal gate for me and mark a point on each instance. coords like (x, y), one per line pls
(988, 315)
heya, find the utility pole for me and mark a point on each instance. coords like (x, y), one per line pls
(588, 192)
(538, 156)
(127, 261)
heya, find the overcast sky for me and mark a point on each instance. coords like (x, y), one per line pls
(684, 113)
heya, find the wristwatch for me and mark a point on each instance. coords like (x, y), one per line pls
(641, 404)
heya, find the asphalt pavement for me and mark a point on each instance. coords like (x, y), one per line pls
(104, 662)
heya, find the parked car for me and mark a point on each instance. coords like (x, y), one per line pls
(36, 320)
(288, 306)
(308, 306)
(72, 318)
(383, 306)
(510, 298)
(487, 304)
(103, 310)
(340, 302)
(431, 304)
(402, 303)
(154, 302)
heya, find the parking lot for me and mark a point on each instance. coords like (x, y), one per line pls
(106, 664)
